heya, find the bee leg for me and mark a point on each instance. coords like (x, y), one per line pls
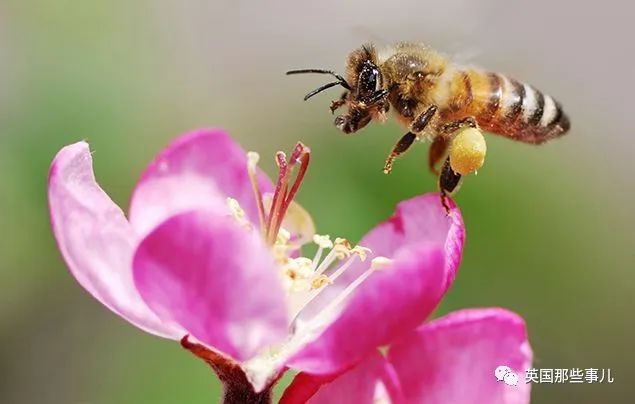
(436, 152)
(449, 183)
(451, 127)
(400, 148)
(418, 125)
(338, 103)
(441, 142)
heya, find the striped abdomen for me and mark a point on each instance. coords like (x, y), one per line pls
(501, 105)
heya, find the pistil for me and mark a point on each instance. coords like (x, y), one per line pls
(285, 190)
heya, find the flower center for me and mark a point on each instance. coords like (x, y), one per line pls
(303, 278)
(286, 227)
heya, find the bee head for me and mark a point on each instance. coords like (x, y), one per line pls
(364, 95)
(365, 100)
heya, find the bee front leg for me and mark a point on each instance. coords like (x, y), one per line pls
(449, 183)
(339, 102)
(417, 126)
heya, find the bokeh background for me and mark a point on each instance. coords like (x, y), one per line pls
(550, 228)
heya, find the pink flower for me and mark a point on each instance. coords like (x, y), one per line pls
(211, 254)
(449, 360)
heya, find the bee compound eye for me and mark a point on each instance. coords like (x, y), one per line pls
(369, 80)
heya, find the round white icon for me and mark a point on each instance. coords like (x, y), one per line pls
(501, 371)
(506, 375)
(511, 379)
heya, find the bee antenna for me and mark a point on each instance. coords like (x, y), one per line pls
(340, 80)
(320, 89)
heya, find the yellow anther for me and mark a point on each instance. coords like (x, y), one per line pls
(283, 237)
(237, 212)
(380, 263)
(252, 160)
(467, 152)
(323, 241)
(291, 273)
(342, 248)
(361, 252)
(320, 282)
(343, 242)
(305, 267)
(280, 253)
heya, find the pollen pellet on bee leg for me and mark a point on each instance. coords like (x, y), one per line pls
(467, 151)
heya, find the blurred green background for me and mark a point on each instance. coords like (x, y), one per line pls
(550, 228)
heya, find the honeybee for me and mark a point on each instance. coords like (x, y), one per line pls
(441, 101)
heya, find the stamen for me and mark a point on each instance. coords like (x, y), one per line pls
(326, 263)
(342, 268)
(361, 252)
(283, 236)
(320, 282)
(380, 263)
(342, 248)
(377, 263)
(323, 241)
(238, 213)
(346, 292)
(252, 163)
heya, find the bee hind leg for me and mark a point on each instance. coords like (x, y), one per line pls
(441, 141)
(450, 127)
(449, 183)
(437, 152)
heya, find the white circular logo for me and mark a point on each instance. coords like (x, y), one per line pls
(511, 379)
(501, 371)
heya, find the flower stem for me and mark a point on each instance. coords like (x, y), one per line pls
(236, 386)
(239, 393)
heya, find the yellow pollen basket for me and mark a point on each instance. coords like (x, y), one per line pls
(467, 152)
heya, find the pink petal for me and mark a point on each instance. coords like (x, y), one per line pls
(418, 219)
(216, 279)
(452, 359)
(198, 170)
(371, 379)
(391, 302)
(96, 240)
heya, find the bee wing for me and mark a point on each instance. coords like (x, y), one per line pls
(464, 54)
